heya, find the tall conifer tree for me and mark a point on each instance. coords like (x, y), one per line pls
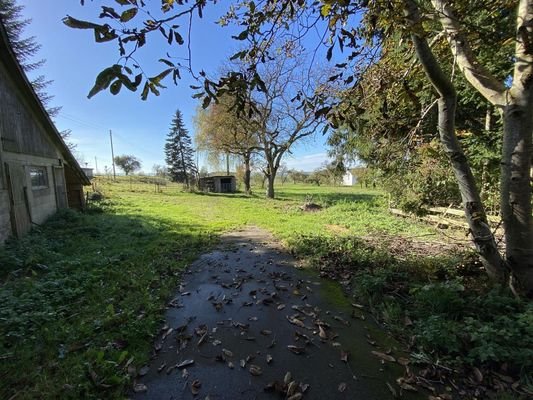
(26, 49)
(179, 154)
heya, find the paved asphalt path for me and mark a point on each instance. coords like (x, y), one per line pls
(247, 324)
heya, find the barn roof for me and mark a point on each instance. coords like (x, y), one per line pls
(20, 80)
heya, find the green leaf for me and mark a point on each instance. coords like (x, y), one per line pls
(325, 9)
(322, 112)
(115, 87)
(241, 36)
(206, 102)
(104, 33)
(104, 78)
(128, 14)
(79, 24)
(123, 2)
(153, 89)
(329, 54)
(144, 94)
(158, 78)
(178, 38)
(166, 62)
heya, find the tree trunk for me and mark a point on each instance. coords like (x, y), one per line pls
(473, 207)
(247, 174)
(270, 188)
(271, 177)
(516, 193)
(475, 214)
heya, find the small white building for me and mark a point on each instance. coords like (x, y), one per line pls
(349, 179)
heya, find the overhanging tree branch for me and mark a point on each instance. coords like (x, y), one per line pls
(478, 76)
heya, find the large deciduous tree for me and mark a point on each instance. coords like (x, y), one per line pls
(282, 121)
(127, 163)
(179, 154)
(220, 128)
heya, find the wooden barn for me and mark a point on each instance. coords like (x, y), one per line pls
(38, 173)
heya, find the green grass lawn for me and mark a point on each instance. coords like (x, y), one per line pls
(82, 296)
(357, 211)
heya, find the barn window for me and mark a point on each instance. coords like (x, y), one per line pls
(39, 177)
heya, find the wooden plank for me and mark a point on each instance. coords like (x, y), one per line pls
(459, 213)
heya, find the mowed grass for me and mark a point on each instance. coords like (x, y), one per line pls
(347, 210)
(82, 296)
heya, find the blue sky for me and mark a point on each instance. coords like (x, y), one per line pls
(139, 127)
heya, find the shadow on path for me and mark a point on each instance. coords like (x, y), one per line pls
(233, 322)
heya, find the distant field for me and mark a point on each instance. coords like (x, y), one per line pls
(346, 210)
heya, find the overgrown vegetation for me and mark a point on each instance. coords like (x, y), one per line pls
(443, 307)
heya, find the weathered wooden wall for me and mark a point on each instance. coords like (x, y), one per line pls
(24, 143)
(19, 130)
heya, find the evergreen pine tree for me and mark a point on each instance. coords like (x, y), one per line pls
(179, 154)
(26, 48)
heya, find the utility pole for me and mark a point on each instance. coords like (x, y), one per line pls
(112, 155)
(95, 166)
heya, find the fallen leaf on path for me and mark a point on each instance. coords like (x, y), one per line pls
(281, 306)
(144, 370)
(167, 333)
(405, 386)
(392, 390)
(195, 387)
(342, 387)
(287, 378)
(140, 387)
(384, 356)
(266, 332)
(268, 358)
(322, 332)
(201, 330)
(344, 356)
(255, 370)
(403, 361)
(227, 353)
(295, 321)
(296, 396)
(291, 389)
(184, 364)
(202, 339)
(296, 349)
(170, 369)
